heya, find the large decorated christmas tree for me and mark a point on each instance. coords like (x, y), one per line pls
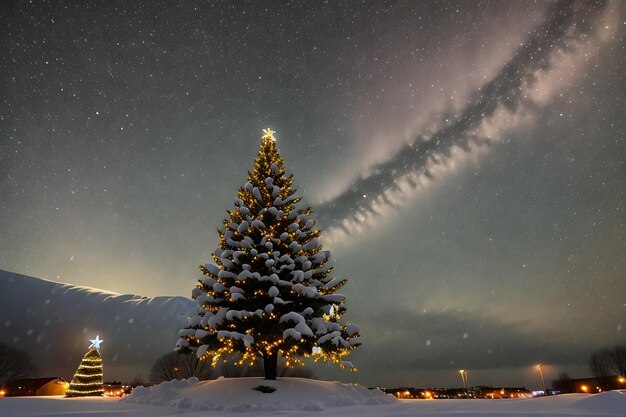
(88, 379)
(270, 291)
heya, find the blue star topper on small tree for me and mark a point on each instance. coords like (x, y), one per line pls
(96, 342)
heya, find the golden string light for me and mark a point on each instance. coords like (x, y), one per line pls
(269, 200)
(88, 379)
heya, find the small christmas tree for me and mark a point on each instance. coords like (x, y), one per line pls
(270, 292)
(88, 380)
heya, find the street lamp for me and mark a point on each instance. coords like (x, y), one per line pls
(463, 373)
(543, 382)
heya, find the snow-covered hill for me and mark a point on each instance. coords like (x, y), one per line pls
(53, 322)
(242, 394)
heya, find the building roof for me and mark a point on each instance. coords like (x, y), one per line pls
(31, 383)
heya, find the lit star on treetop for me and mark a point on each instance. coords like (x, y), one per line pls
(269, 134)
(95, 342)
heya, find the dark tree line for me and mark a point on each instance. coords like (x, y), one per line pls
(603, 364)
(606, 362)
(15, 364)
(174, 365)
(564, 383)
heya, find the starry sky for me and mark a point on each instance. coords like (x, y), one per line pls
(466, 162)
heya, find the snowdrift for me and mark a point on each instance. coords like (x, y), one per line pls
(237, 394)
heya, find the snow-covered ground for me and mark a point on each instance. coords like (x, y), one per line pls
(300, 397)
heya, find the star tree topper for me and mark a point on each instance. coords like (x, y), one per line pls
(96, 342)
(268, 133)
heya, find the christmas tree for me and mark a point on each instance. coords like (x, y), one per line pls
(270, 292)
(87, 380)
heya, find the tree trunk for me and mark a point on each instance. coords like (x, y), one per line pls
(270, 366)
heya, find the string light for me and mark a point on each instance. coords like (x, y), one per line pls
(265, 226)
(88, 379)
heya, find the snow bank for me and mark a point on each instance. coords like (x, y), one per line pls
(237, 394)
(606, 402)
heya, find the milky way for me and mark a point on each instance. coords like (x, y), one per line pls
(464, 159)
(565, 28)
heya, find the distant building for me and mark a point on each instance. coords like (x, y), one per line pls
(595, 385)
(403, 393)
(36, 386)
(116, 389)
(409, 393)
(501, 393)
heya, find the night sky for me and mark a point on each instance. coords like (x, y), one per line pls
(466, 162)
